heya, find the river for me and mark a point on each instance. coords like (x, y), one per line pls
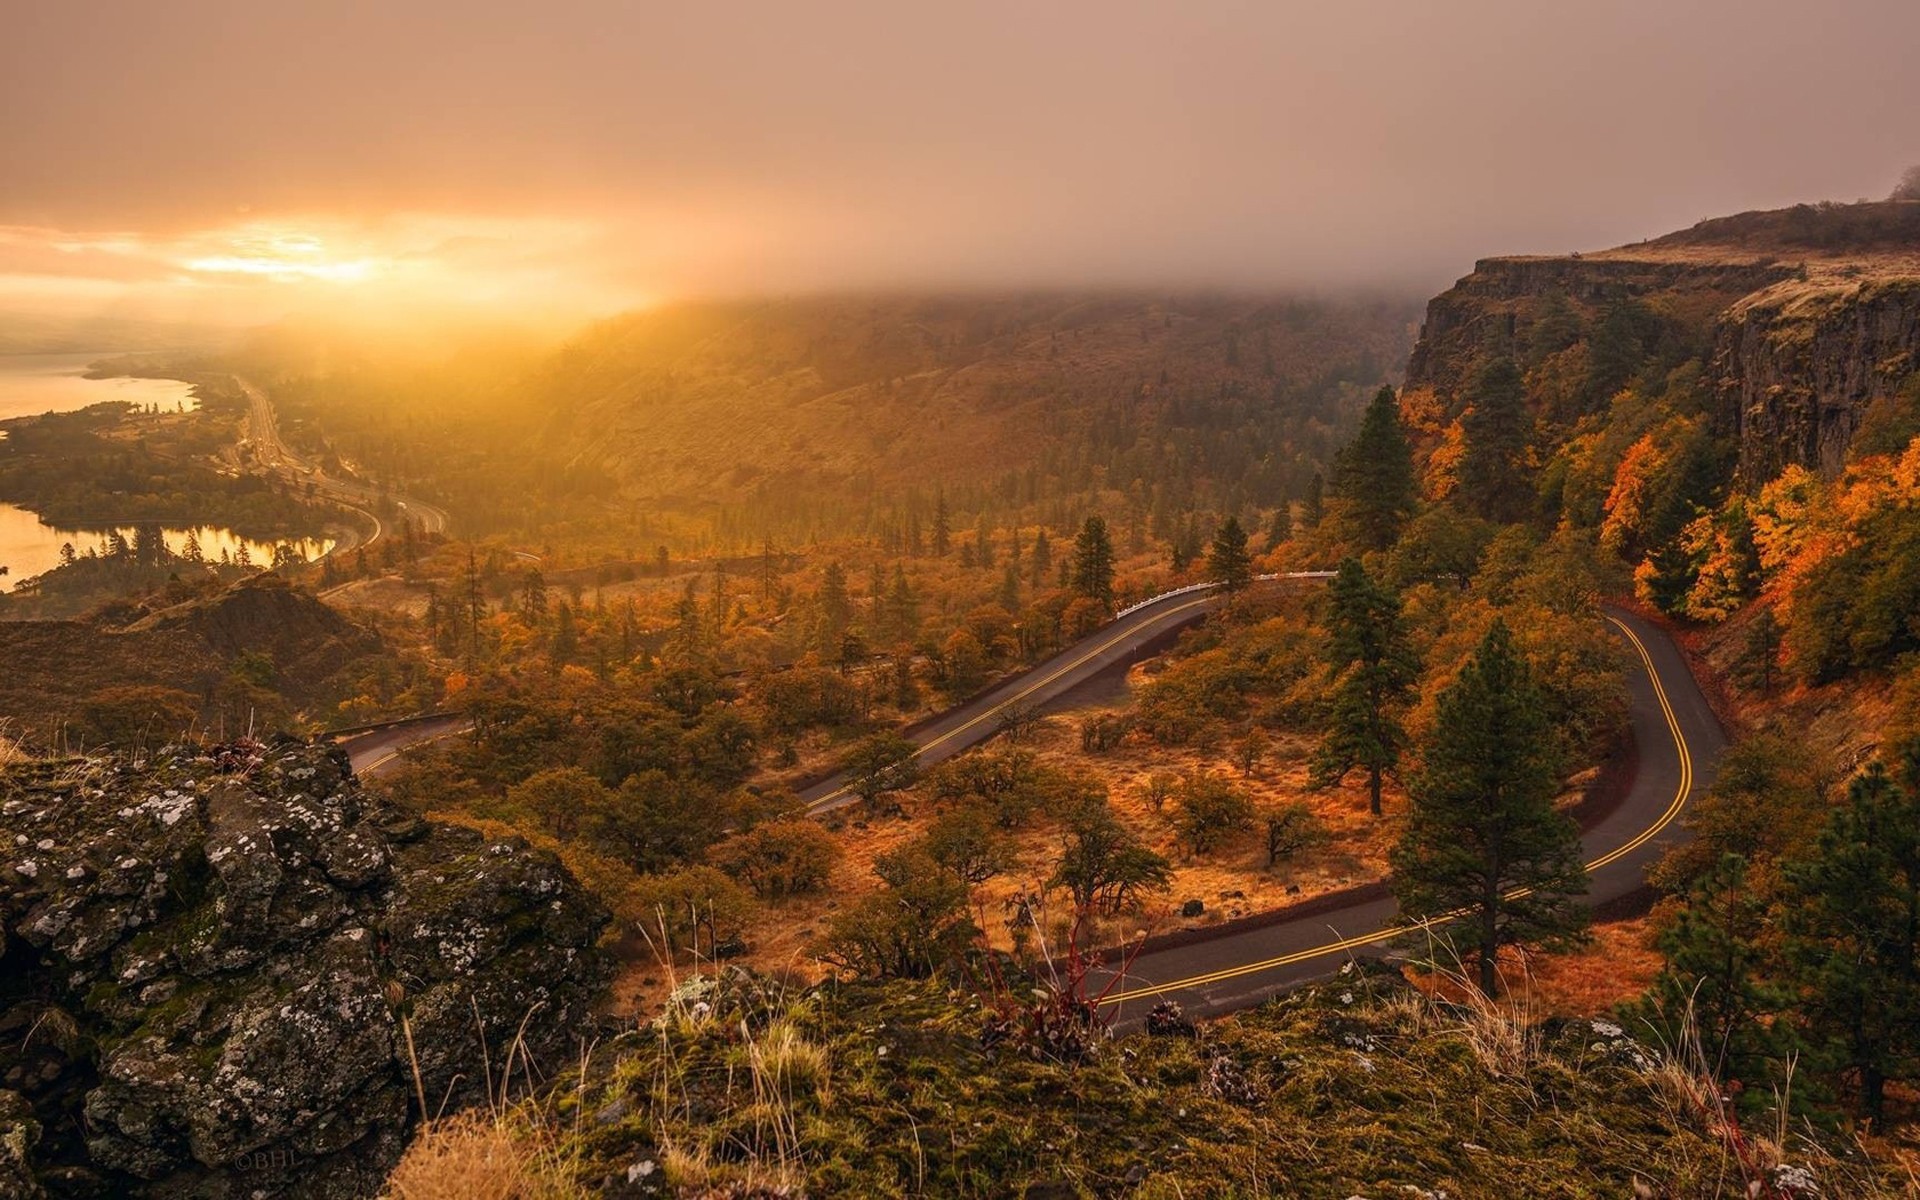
(41, 383)
(29, 545)
(31, 384)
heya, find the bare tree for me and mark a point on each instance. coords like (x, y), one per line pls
(1909, 188)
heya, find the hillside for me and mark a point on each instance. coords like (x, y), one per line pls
(914, 392)
(248, 655)
(1360, 1087)
(829, 416)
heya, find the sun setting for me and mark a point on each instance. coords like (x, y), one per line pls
(607, 599)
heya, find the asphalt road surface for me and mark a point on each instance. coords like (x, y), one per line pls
(376, 751)
(968, 725)
(1678, 740)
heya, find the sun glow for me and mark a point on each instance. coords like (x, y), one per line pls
(263, 267)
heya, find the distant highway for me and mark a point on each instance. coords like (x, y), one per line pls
(272, 453)
(375, 750)
(943, 736)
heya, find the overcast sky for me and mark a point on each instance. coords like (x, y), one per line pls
(611, 152)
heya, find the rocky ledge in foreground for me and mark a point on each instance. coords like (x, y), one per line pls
(213, 960)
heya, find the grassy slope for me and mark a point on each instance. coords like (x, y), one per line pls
(1361, 1087)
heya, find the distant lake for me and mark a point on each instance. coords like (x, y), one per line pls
(29, 546)
(31, 384)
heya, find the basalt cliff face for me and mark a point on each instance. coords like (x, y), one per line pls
(222, 969)
(1803, 318)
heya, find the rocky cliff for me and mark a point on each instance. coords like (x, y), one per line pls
(1803, 318)
(229, 972)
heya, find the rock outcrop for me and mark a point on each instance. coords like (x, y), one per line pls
(1804, 318)
(1796, 366)
(225, 970)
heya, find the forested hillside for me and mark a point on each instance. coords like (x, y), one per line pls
(717, 426)
(1730, 408)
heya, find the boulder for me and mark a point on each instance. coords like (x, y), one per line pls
(230, 972)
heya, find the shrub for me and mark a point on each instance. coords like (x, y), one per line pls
(1210, 810)
(694, 909)
(780, 858)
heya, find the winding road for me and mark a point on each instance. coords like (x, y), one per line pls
(1678, 742)
(1677, 738)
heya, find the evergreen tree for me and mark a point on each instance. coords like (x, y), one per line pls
(1042, 559)
(1616, 350)
(903, 609)
(836, 607)
(533, 597)
(1375, 670)
(1483, 836)
(565, 640)
(942, 526)
(1093, 562)
(1314, 507)
(1711, 976)
(1227, 559)
(1760, 652)
(1010, 588)
(1852, 920)
(1374, 476)
(1494, 478)
(474, 601)
(983, 544)
(686, 622)
(1280, 528)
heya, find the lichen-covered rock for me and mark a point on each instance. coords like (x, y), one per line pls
(213, 961)
(19, 1133)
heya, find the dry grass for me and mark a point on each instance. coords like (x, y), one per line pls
(1233, 881)
(11, 749)
(1618, 966)
(483, 1155)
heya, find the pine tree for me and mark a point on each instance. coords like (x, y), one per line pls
(475, 604)
(1375, 670)
(1010, 588)
(836, 607)
(1042, 559)
(1093, 562)
(903, 609)
(1280, 528)
(1852, 920)
(533, 597)
(1314, 507)
(1374, 476)
(1483, 826)
(1712, 976)
(942, 526)
(1494, 478)
(983, 544)
(565, 640)
(1227, 559)
(1760, 652)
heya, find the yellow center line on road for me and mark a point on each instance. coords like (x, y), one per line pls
(1023, 693)
(1392, 931)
